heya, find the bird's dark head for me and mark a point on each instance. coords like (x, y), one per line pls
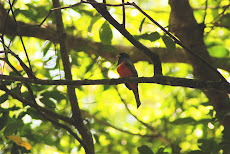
(122, 57)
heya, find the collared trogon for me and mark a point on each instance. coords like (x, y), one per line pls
(126, 68)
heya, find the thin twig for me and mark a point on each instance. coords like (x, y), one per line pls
(115, 127)
(25, 68)
(123, 10)
(127, 108)
(205, 11)
(19, 31)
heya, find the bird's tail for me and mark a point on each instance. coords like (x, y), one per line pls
(136, 94)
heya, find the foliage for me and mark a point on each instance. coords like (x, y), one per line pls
(170, 120)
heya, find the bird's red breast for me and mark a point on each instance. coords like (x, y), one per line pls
(124, 71)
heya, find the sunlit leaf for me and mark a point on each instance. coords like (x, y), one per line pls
(218, 51)
(18, 140)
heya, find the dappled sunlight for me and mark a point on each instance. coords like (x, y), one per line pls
(55, 118)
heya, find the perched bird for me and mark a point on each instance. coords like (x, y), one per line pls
(126, 68)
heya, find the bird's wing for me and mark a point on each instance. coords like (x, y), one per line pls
(130, 65)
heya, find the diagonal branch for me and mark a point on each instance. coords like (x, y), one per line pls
(154, 57)
(177, 41)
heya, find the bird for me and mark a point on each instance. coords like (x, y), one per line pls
(125, 68)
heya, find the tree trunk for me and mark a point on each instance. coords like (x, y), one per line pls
(184, 26)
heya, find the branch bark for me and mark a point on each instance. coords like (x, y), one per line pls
(163, 80)
(185, 27)
(102, 10)
(83, 130)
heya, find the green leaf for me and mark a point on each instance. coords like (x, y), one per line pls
(106, 87)
(96, 137)
(141, 25)
(182, 121)
(218, 51)
(144, 149)
(161, 151)
(12, 126)
(225, 20)
(169, 43)
(106, 34)
(47, 102)
(34, 114)
(208, 145)
(4, 119)
(55, 94)
(146, 36)
(204, 121)
(27, 13)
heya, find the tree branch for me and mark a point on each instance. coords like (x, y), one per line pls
(83, 130)
(184, 25)
(163, 80)
(154, 57)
